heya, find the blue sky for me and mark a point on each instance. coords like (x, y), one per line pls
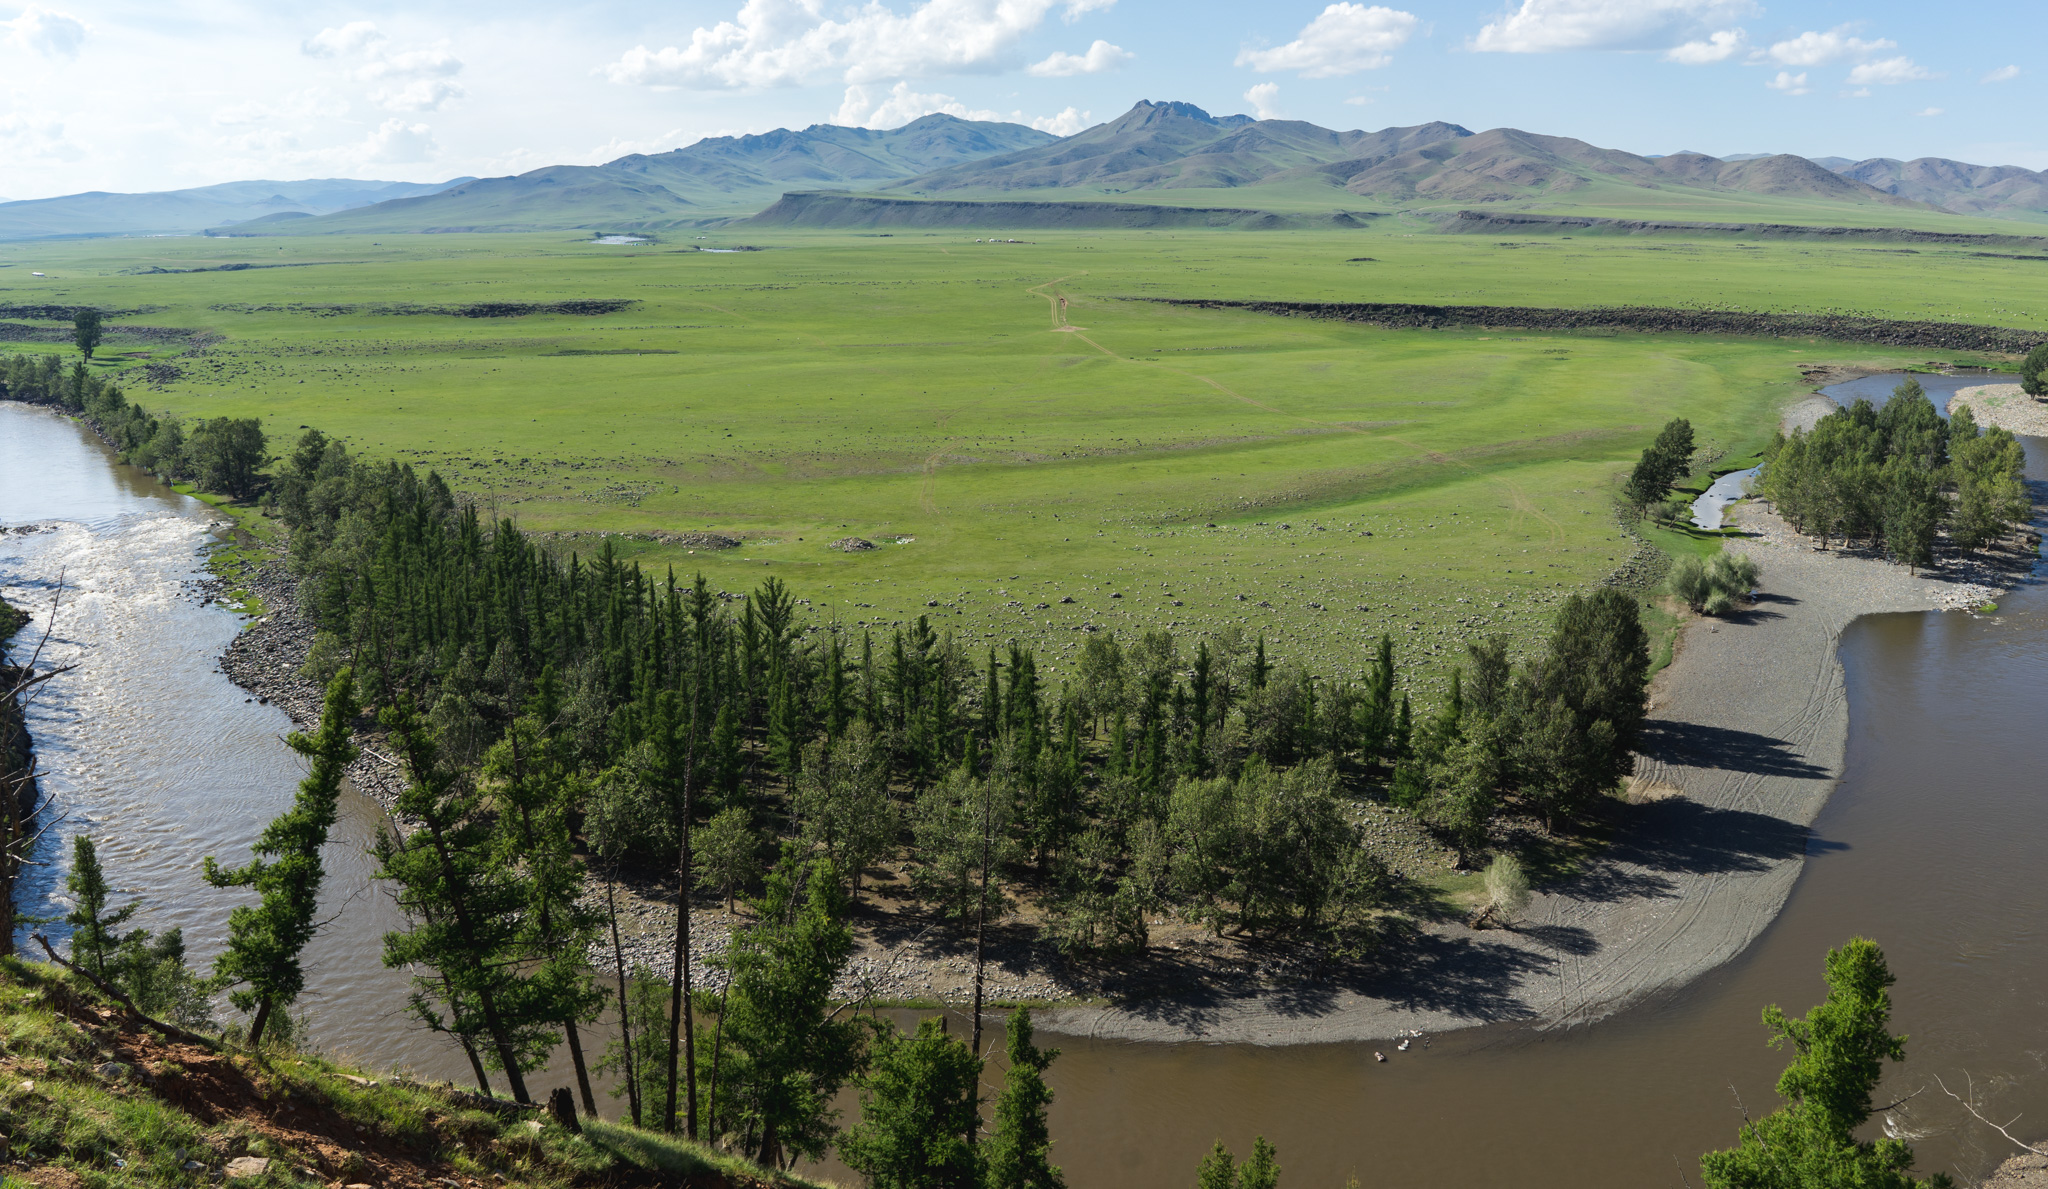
(127, 95)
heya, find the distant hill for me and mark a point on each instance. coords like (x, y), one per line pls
(98, 212)
(1954, 185)
(1166, 146)
(717, 177)
(869, 210)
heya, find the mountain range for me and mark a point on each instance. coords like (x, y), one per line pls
(1236, 168)
(173, 212)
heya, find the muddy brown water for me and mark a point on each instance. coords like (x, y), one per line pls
(1932, 845)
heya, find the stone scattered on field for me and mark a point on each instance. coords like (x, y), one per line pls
(852, 545)
(247, 1166)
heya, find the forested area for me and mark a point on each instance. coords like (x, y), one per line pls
(1900, 478)
(220, 454)
(559, 716)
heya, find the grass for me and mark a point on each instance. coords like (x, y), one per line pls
(252, 542)
(140, 1119)
(1315, 482)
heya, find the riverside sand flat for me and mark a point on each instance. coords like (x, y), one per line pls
(1745, 741)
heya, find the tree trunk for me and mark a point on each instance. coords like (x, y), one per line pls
(256, 1025)
(681, 1042)
(717, 1055)
(611, 909)
(980, 950)
(582, 1073)
(476, 1064)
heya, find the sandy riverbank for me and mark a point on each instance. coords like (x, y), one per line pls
(2005, 406)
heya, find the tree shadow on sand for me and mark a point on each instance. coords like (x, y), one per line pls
(1699, 745)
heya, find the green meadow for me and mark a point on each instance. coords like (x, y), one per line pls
(1013, 425)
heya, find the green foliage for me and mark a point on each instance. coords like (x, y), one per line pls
(149, 969)
(786, 1055)
(1507, 888)
(1714, 585)
(265, 939)
(1664, 462)
(1019, 1150)
(919, 1101)
(1839, 1051)
(1260, 1170)
(86, 331)
(728, 853)
(95, 929)
(2034, 372)
(842, 801)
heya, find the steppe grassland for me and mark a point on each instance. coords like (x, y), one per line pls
(928, 389)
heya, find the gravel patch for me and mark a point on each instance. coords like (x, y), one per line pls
(2005, 406)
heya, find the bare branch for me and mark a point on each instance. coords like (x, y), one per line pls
(1901, 1102)
(170, 1030)
(1981, 1119)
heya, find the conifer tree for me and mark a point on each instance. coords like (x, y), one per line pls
(266, 939)
(1022, 1141)
(1839, 1051)
(464, 904)
(95, 932)
(919, 1097)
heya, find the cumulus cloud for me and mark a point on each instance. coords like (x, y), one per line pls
(1889, 72)
(1345, 39)
(435, 62)
(426, 94)
(1100, 57)
(1066, 123)
(776, 43)
(2002, 74)
(1264, 99)
(396, 142)
(342, 40)
(1547, 26)
(1815, 49)
(56, 34)
(1790, 83)
(1718, 47)
(863, 108)
(35, 136)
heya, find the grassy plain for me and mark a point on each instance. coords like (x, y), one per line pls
(1315, 482)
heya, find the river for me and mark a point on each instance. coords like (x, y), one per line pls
(1929, 845)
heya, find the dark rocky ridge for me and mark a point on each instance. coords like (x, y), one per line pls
(848, 210)
(1495, 223)
(1947, 336)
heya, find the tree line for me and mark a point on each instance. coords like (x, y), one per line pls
(561, 721)
(219, 454)
(1899, 478)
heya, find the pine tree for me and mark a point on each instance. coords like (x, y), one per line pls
(465, 906)
(95, 932)
(1218, 1169)
(266, 939)
(1260, 1170)
(1018, 1151)
(919, 1098)
(1839, 1053)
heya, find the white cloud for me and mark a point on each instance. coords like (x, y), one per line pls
(299, 105)
(1814, 49)
(1719, 47)
(56, 34)
(35, 137)
(1263, 99)
(426, 94)
(1066, 123)
(1790, 83)
(1889, 72)
(861, 108)
(1929, 111)
(427, 63)
(342, 40)
(1546, 26)
(1345, 39)
(774, 43)
(1100, 57)
(2002, 74)
(396, 142)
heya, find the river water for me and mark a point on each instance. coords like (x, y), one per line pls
(1930, 846)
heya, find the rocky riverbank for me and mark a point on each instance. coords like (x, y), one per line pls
(2005, 406)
